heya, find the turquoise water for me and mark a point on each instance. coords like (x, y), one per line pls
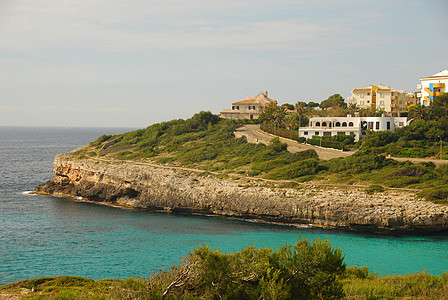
(49, 236)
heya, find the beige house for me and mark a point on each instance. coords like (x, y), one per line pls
(249, 108)
(383, 98)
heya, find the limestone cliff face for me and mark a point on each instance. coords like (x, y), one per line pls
(146, 186)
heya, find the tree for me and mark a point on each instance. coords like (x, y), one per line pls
(292, 121)
(288, 106)
(300, 109)
(420, 112)
(333, 100)
(440, 106)
(267, 116)
(312, 104)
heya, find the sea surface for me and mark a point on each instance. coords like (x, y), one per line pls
(50, 236)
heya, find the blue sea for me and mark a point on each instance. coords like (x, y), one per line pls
(50, 236)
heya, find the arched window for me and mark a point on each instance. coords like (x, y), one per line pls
(364, 125)
(324, 123)
(338, 124)
(350, 124)
(344, 124)
(317, 123)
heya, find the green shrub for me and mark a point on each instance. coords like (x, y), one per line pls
(306, 154)
(199, 154)
(413, 152)
(298, 169)
(357, 163)
(374, 189)
(307, 270)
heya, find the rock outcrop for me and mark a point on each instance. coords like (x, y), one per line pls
(153, 187)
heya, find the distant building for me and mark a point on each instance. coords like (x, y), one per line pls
(432, 86)
(327, 126)
(383, 98)
(249, 108)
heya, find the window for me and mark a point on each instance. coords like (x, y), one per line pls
(316, 133)
(350, 124)
(370, 125)
(317, 123)
(400, 123)
(377, 125)
(324, 123)
(326, 133)
(352, 133)
(388, 125)
(341, 133)
(368, 94)
(381, 95)
(305, 133)
(344, 124)
(381, 102)
(338, 124)
(251, 117)
(261, 107)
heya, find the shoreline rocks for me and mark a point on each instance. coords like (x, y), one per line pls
(151, 187)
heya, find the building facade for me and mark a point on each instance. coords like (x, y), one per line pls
(249, 108)
(328, 126)
(383, 98)
(432, 86)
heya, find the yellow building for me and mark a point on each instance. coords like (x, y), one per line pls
(432, 86)
(383, 98)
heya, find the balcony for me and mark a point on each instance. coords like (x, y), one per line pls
(439, 85)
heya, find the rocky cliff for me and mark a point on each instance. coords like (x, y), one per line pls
(153, 187)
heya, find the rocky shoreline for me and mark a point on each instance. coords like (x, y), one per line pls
(160, 188)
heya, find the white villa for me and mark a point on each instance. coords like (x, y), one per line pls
(382, 97)
(327, 126)
(432, 86)
(249, 108)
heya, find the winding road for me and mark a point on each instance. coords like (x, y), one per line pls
(254, 134)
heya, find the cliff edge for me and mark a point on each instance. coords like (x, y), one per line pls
(153, 187)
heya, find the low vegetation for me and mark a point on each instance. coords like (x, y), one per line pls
(305, 270)
(207, 142)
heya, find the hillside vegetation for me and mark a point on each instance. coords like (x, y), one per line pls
(207, 142)
(306, 270)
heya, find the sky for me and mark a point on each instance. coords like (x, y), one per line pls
(110, 63)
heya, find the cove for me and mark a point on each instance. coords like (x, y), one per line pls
(60, 236)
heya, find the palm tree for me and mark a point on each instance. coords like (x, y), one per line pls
(300, 109)
(291, 121)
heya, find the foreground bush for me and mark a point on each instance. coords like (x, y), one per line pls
(307, 270)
